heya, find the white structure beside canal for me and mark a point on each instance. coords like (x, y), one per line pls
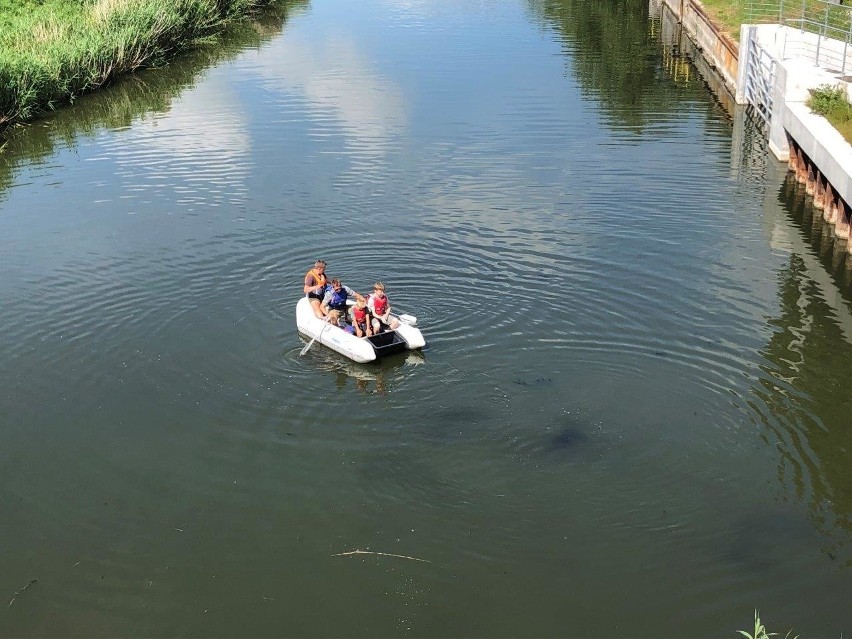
(772, 71)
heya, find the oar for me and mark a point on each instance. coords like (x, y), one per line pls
(311, 343)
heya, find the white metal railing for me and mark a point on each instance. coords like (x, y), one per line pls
(759, 79)
(824, 26)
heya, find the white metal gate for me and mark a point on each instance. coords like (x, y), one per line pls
(759, 79)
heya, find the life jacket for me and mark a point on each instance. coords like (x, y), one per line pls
(380, 305)
(319, 278)
(360, 314)
(338, 299)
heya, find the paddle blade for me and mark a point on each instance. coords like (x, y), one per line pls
(307, 346)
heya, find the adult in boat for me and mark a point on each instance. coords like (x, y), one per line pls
(336, 295)
(379, 306)
(316, 286)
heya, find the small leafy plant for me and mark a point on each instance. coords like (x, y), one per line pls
(831, 103)
(760, 630)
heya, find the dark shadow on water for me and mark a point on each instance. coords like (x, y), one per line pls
(538, 382)
(759, 542)
(568, 439)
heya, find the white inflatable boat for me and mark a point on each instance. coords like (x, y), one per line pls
(359, 349)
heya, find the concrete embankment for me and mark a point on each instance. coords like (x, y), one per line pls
(720, 51)
(772, 70)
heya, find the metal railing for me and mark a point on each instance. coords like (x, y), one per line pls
(824, 28)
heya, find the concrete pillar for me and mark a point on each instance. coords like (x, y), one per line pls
(819, 193)
(792, 159)
(841, 224)
(810, 185)
(801, 167)
(830, 213)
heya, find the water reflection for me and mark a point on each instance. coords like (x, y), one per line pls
(346, 96)
(134, 97)
(379, 378)
(614, 56)
(801, 397)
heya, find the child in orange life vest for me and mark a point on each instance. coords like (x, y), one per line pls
(361, 318)
(379, 306)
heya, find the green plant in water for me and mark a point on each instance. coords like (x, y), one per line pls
(760, 631)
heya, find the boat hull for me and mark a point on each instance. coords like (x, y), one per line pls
(358, 349)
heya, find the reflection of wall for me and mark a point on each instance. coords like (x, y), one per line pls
(680, 47)
(717, 47)
(801, 396)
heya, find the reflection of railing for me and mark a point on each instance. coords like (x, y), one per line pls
(824, 27)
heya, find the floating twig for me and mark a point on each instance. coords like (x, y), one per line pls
(383, 554)
(21, 591)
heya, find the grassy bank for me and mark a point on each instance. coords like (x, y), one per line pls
(54, 50)
(728, 14)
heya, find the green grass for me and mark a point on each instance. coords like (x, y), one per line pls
(729, 15)
(760, 631)
(830, 102)
(52, 51)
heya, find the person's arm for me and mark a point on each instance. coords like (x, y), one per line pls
(353, 293)
(311, 288)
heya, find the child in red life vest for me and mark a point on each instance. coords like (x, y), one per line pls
(361, 318)
(379, 306)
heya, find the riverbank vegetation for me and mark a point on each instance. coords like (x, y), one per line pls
(830, 102)
(52, 51)
(728, 15)
(831, 18)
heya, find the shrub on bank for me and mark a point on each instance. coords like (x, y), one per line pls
(831, 103)
(54, 50)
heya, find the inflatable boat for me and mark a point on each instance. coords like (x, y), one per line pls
(359, 349)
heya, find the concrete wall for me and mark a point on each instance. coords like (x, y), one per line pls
(716, 47)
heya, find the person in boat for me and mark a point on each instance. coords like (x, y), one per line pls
(361, 319)
(316, 286)
(380, 308)
(335, 298)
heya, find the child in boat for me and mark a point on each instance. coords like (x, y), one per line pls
(379, 306)
(361, 318)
